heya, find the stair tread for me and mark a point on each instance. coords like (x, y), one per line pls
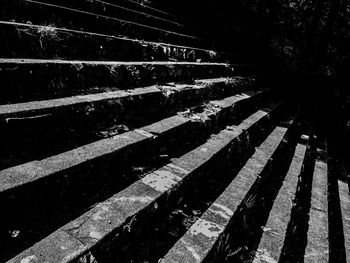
(206, 232)
(32, 171)
(127, 63)
(32, 107)
(115, 212)
(271, 243)
(317, 249)
(344, 197)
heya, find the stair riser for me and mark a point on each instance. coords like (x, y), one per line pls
(99, 173)
(26, 41)
(249, 186)
(21, 11)
(113, 11)
(221, 161)
(83, 122)
(26, 82)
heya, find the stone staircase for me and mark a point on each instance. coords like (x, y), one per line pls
(128, 136)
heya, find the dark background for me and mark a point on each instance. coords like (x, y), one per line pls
(308, 42)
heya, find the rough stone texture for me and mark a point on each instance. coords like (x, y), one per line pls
(144, 195)
(227, 102)
(35, 79)
(177, 122)
(317, 249)
(47, 106)
(30, 42)
(128, 63)
(91, 227)
(344, 198)
(112, 214)
(32, 171)
(95, 17)
(34, 108)
(271, 243)
(29, 173)
(248, 122)
(59, 243)
(202, 238)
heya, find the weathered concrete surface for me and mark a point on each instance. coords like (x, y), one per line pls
(209, 231)
(139, 199)
(35, 79)
(37, 170)
(48, 106)
(344, 197)
(31, 42)
(177, 93)
(317, 249)
(271, 243)
(106, 63)
(28, 173)
(74, 103)
(98, 116)
(227, 102)
(170, 124)
(62, 241)
(84, 15)
(220, 111)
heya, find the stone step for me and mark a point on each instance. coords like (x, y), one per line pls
(208, 236)
(91, 167)
(110, 146)
(344, 199)
(50, 42)
(97, 19)
(272, 240)
(311, 224)
(202, 90)
(27, 128)
(142, 198)
(33, 79)
(317, 248)
(297, 227)
(117, 10)
(127, 136)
